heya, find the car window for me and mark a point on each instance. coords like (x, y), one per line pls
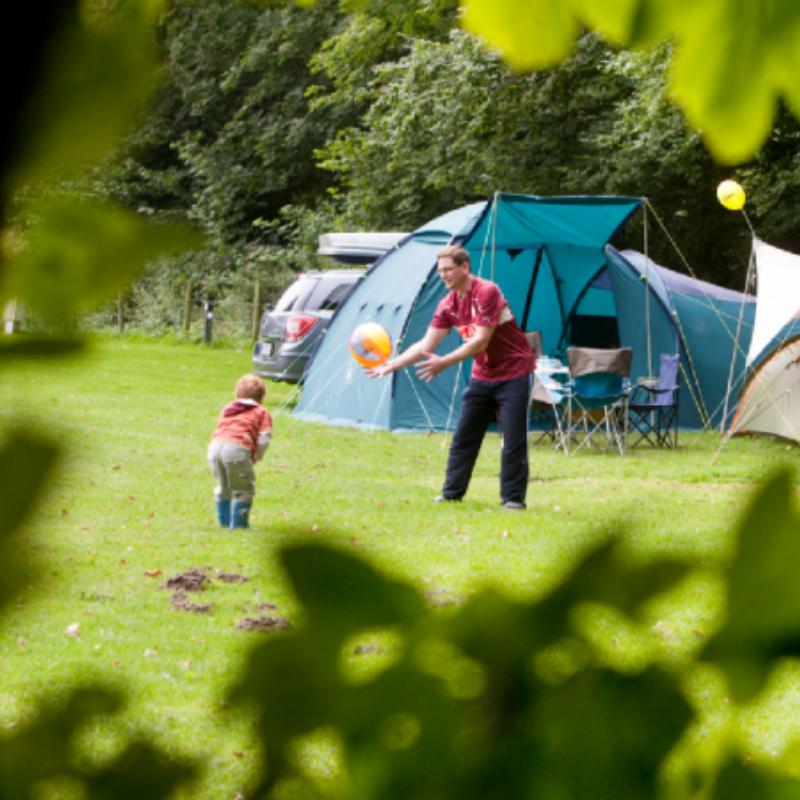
(297, 294)
(331, 294)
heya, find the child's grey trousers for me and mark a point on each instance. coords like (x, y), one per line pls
(232, 465)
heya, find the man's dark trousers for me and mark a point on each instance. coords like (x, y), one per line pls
(482, 403)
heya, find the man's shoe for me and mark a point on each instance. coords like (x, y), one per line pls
(513, 505)
(440, 498)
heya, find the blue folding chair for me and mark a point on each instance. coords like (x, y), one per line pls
(653, 406)
(598, 391)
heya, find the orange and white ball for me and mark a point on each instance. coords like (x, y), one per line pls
(370, 344)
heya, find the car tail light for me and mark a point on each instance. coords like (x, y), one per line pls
(298, 326)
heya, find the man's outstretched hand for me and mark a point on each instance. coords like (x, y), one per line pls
(381, 371)
(431, 366)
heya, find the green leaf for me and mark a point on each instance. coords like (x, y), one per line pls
(529, 35)
(140, 771)
(729, 68)
(25, 464)
(740, 781)
(602, 735)
(763, 604)
(296, 682)
(347, 594)
(43, 746)
(78, 253)
(605, 577)
(36, 347)
(101, 68)
(613, 19)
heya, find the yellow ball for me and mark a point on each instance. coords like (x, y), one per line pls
(731, 195)
(370, 344)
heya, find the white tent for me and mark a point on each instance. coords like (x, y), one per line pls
(770, 399)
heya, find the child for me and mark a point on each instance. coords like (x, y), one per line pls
(241, 438)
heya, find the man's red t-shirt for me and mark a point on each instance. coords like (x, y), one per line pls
(508, 355)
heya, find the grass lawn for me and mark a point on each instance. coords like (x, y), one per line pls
(131, 505)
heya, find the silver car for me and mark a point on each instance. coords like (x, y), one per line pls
(290, 332)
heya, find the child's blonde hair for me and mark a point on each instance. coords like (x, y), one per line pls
(250, 387)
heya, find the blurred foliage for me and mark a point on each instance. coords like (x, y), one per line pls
(61, 250)
(763, 621)
(510, 699)
(501, 698)
(25, 464)
(731, 62)
(100, 68)
(44, 749)
(76, 253)
(90, 65)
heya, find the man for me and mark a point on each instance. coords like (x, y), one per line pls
(500, 383)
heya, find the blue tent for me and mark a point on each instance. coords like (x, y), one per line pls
(549, 257)
(709, 326)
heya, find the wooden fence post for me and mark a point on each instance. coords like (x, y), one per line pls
(187, 307)
(256, 309)
(120, 311)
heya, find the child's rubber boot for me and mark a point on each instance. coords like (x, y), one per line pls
(240, 514)
(224, 513)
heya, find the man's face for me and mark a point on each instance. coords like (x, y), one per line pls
(452, 274)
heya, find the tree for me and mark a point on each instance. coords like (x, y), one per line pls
(731, 61)
(230, 137)
(448, 123)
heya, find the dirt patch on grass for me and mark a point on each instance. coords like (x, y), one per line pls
(182, 603)
(264, 623)
(193, 580)
(197, 578)
(232, 577)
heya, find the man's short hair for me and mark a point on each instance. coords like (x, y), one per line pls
(457, 254)
(250, 387)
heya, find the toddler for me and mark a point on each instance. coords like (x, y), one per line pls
(240, 439)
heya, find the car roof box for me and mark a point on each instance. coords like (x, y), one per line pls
(357, 248)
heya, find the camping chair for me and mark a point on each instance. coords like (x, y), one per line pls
(598, 391)
(535, 341)
(653, 406)
(549, 401)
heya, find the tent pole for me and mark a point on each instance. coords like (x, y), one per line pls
(747, 283)
(494, 230)
(649, 333)
(529, 299)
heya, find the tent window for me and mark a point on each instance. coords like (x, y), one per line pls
(592, 330)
